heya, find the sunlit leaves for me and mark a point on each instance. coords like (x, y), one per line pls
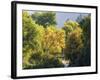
(74, 42)
(70, 26)
(44, 42)
(38, 41)
(54, 39)
(32, 37)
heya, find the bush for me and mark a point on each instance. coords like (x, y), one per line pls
(43, 61)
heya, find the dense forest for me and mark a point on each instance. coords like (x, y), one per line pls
(47, 46)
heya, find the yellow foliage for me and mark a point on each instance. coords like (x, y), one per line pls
(54, 39)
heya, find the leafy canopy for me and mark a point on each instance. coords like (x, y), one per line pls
(44, 18)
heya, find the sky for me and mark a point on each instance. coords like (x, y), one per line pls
(61, 17)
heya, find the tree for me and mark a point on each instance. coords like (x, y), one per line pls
(73, 42)
(54, 40)
(70, 25)
(44, 18)
(32, 38)
(38, 42)
(85, 24)
(74, 46)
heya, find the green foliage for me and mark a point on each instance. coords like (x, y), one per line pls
(32, 37)
(85, 24)
(44, 61)
(38, 41)
(74, 45)
(70, 26)
(74, 42)
(44, 44)
(44, 18)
